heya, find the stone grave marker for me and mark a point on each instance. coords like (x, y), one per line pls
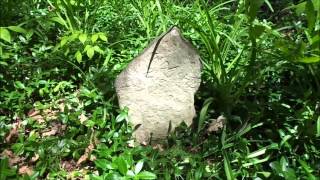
(161, 93)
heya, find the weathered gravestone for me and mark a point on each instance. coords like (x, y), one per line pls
(160, 94)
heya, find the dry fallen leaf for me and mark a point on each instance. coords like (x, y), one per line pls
(216, 124)
(130, 143)
(82, 118)
(26, 170)
(52, 132)
(13, 134)
(69, 165)
(86, 154)
(35, 158)
(158, 147)
(13, 159)
(56, 128)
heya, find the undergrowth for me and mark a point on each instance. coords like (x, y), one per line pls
(59, 115)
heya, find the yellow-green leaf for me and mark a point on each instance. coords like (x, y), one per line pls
(17, 29)
(313, 59)
(63, 41)
(5, 34)
(103, 37)
(90, 53)
(98, 49)
(78, 56)
(94, 38)
(83, 38)
(87, 47)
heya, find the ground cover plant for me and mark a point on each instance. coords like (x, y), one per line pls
(60, 119)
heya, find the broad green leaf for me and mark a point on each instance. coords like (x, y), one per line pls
(122, 165)
(90, 52)
(146, 175)
(5, 35)
(17, 29)
(78, 56)
(103, 164)
(87, 47)
(83, 38)
(311, 15)
(103, 37)
(19, 85)
(123, 115)
(94, 38)
(275, 165)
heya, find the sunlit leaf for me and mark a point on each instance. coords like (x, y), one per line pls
(103, 37)
(90, 52)
(78, 56)
(146, 175)
(83, 38)
(310, 59)
(5, 35)
(94, 38)
(138, 167)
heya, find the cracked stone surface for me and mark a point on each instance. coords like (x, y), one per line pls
(165, 95)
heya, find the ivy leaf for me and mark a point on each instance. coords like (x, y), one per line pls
(83, 38)
(78, 56)
(90, 52)
(5, 35)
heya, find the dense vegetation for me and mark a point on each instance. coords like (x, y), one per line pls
(59, 116)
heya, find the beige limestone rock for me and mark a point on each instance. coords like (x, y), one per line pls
(166, 94)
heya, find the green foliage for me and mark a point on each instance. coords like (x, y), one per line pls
(58, 109)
